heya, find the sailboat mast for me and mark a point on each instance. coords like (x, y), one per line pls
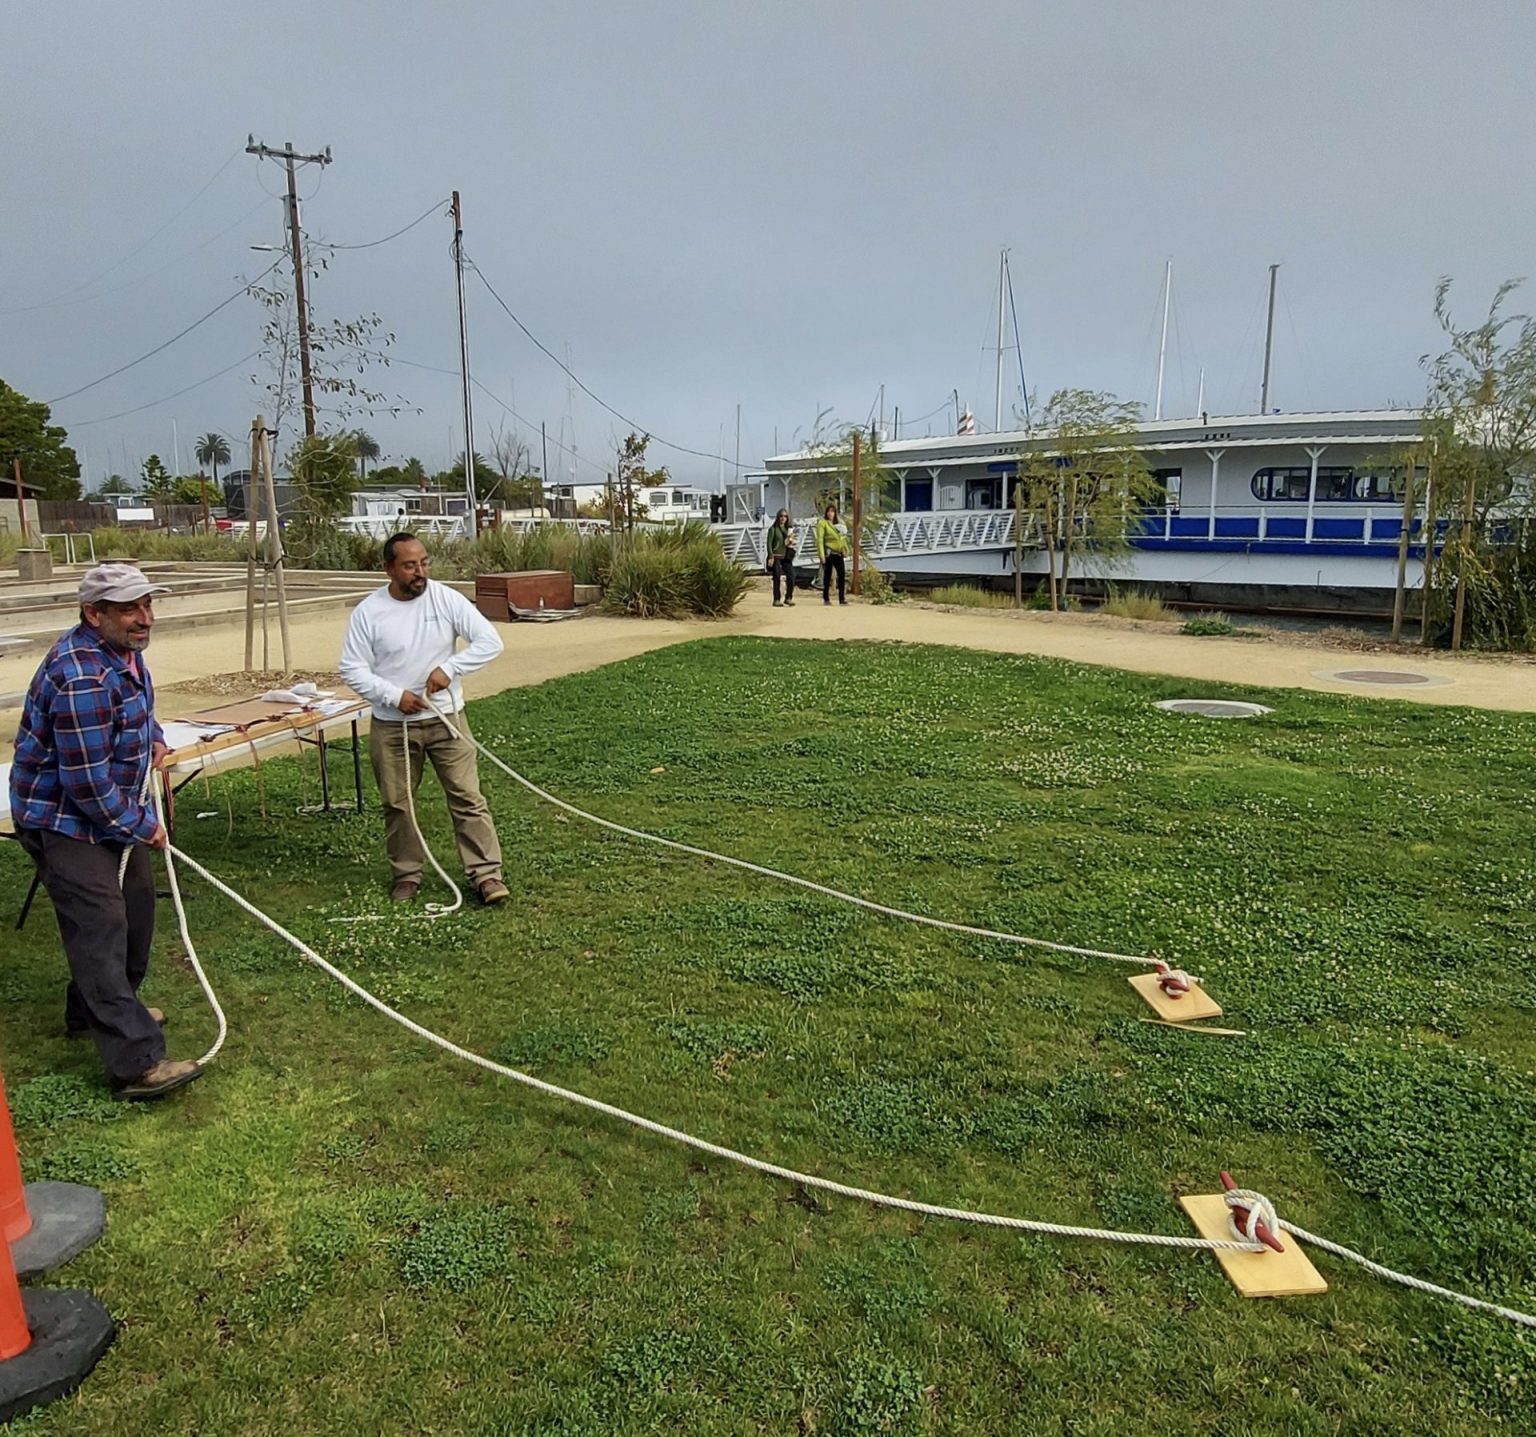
(997, 408)
(1162, 349)
(1269, 341)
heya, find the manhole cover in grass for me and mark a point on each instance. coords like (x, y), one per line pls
(1214, 708)
(1381, 676)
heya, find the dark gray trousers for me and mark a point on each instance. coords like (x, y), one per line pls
(107, 933)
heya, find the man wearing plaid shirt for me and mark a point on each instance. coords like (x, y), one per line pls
(87, 742)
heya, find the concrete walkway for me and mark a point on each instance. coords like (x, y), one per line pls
(536, 652)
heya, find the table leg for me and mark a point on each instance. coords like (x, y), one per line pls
(325, 778)
(357, 767)
(26, 907)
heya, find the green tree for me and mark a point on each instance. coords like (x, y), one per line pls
(324, 470)
(46, 460)
(367, 448)
(156, 482)
(413, 471)
(1480, 431)
(190, 489)
(632, 477)
(213, 449)
(1082, 482)
(486, 478)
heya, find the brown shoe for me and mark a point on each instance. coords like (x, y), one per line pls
(494, 891)
(165, 1077)
(405, 890)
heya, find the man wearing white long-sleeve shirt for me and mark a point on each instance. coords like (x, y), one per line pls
(400, 655)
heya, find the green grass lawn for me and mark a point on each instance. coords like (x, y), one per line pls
(342, 1230)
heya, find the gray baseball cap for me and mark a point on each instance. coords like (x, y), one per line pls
(116, 584)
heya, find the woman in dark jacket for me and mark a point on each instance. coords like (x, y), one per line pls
(781, 557)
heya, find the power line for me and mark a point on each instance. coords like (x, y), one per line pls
(144, 244)
(166, 399)
(122, 368)
(601, 403)
(484, 389)
(435, 207)
(133, 283)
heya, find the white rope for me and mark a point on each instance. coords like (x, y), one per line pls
(1260, 1209)
(432, 910)
(776, 873)
(761, 1165)
(186, 942)
(151, 794)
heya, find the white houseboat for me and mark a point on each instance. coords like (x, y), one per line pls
(1257, 510)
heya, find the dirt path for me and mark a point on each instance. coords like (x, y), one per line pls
(536, 652)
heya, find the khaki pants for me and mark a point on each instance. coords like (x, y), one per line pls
(453, 759)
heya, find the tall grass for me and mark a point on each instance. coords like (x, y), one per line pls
(1136, 604)
(967, 597)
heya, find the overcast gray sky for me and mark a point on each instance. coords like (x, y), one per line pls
(782, 205)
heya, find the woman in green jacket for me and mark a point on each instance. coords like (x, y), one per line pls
(781, 557)
(831, 548)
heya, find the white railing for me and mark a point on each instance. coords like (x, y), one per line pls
(922, 533)
(70, 544)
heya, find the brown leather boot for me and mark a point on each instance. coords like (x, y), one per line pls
(165, 1077)
(493, 891)
(405, 890)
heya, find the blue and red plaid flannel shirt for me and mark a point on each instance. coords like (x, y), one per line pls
(85, 742)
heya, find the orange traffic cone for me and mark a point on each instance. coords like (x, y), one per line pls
(15, 1337)
(15, 1220)
(42, 1225)
(49, 1341)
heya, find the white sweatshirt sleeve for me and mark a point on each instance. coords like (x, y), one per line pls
(476, 630)
(356, 664)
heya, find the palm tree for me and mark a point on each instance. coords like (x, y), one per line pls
(415, 471)
(367, 448)
(213, 450)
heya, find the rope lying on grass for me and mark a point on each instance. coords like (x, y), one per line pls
(1242, 1242)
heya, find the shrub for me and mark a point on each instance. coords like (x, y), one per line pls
(1208, 626)
(668, 572)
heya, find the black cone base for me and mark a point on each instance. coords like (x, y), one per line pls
(66, 1219)
(70, 1332)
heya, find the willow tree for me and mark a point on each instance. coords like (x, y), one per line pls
(1480, 432)
(1083, 482)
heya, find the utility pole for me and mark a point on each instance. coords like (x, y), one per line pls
(21, 497)
(469, 418)
(1269, 340)
(544, 462)
(290, 158)
(858, 517)
(1400, 592)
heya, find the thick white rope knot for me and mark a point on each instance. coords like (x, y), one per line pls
(1250, 1214)
(1174, 982)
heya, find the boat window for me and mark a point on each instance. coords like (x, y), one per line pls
(656, 496)
(1171, 482)
(919, 496)
(1335, 483)
(678, 497)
